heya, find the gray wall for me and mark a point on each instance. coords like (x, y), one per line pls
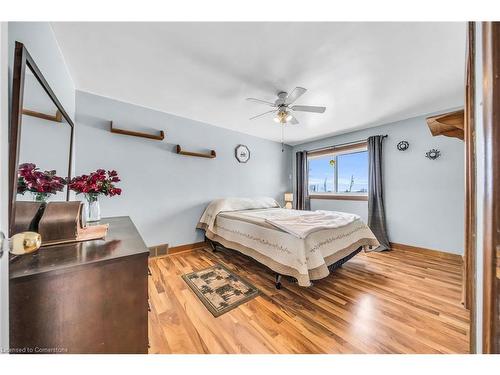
(42, 45)
(424, 199)
(165, 193)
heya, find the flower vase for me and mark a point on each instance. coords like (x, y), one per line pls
(40, 197)
(92, 208)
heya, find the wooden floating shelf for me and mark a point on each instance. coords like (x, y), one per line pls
(212, 154)
(448, 124)
(159, 137)
(56, 118)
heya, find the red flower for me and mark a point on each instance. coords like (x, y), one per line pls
(115, 191)
(30, 178)
(98, 182)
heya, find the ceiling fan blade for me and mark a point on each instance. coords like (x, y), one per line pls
(308, 108)
(295, 94)
(292, 121)
(262, 114)
(260, 101)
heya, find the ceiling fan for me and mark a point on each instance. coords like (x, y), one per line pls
(283, 108)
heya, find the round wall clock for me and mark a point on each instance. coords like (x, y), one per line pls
(242, 153)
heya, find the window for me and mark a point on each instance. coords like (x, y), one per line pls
(340, 173)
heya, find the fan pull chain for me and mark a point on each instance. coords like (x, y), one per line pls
(282, 137)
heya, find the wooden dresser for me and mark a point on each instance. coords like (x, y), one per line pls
(86, 297)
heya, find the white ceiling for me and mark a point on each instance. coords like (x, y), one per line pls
(365, 74)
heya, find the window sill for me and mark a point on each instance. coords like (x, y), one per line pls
(339, 197)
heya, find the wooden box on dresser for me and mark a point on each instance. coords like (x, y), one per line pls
(85, 297)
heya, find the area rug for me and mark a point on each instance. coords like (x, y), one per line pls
(219, 289)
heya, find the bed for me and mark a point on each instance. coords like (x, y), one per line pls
(305, 245)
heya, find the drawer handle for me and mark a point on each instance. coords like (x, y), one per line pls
(149, 307)
(149, 272)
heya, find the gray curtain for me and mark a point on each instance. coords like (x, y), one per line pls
(301, 175)
(376, 211)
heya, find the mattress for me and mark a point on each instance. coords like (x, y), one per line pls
(305, 259)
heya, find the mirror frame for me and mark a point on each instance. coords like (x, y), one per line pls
(22, 58)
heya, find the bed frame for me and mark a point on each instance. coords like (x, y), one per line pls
(277, 281)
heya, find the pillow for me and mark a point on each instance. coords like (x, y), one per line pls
(233, 204)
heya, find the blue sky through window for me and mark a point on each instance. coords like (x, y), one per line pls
(350, 166)
(321, 174)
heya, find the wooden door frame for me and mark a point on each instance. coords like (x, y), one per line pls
(470, 185)
(491, 218)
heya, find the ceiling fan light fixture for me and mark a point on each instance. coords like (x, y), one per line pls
(283, 117)
(283, 109)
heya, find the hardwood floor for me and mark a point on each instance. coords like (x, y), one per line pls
(391, 302)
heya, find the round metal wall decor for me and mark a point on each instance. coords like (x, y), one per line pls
(242, 153)
(433, 154)
(403, 146)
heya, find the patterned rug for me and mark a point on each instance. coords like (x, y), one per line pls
(219, 289)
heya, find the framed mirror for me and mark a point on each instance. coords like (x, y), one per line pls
(41, 144)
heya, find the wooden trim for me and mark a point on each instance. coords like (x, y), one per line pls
(337, 149)
(187, 247)
(165, 250)
(449, 124)
(491, 218)
(211, 155)
(56, 118)
(422, 250)
(469, 129)
(159, 137)
(340, 197)
(18, 75)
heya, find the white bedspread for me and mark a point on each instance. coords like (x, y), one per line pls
(302, 223)
(306, 259)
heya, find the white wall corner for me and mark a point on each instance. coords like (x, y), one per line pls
(4, 145)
